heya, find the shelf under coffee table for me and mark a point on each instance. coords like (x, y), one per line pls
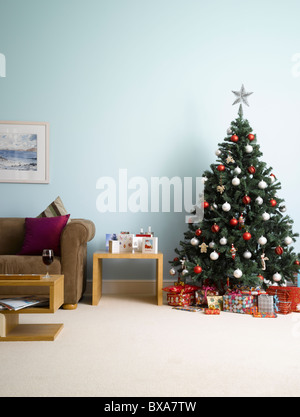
(51, 288)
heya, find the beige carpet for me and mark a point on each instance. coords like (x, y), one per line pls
(128, 346)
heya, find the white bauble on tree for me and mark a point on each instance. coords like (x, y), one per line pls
(226, 206)
(172, 271)
(237, 170)
(265, 216)
(194, 241)
(277, 277)
(211, 244)
(262, 240)
(238, 273)
(184, 272)
(259, 201)
(262, 185)
(248, 149)
(236, 181)
(214, 256)
(223, 241)
(288, 240)
(247, 254)
(218, 152)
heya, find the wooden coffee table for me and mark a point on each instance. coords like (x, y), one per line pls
(97, 271)
(53, 288)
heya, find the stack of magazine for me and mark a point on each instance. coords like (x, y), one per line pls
(19, 303)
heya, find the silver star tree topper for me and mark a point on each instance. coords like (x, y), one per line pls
(242, 97)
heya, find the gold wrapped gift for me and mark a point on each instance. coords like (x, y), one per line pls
(215, 301)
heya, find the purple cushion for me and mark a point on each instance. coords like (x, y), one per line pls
(43, 233)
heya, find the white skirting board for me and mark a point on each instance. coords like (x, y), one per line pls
(119, 286)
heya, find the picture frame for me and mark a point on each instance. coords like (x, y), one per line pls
(24, 152)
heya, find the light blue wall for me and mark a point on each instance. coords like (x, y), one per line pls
(146, 85)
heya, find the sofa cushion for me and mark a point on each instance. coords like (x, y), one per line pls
(56, 208)
(43, 233)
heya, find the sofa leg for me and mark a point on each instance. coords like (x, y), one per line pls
(69, 306)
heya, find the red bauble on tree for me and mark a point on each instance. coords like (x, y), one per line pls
(221, 168)
(198, 232)
(197, 269)
(260, 277)
(246, 199)
(279, 250)
(233, 222)
(251, 170)
(205, 204)
(251, 137)
(297, 262)
(234, 138)
(273, 202)
(215, 228)
(247, 236)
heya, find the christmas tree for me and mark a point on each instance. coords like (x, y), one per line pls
(243, 234)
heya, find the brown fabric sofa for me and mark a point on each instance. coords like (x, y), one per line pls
(71, 263)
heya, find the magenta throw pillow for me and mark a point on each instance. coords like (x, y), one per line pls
(43, 233)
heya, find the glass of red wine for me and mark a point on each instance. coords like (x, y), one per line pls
(48, 258)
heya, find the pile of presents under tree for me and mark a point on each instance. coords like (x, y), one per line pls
(238, 299)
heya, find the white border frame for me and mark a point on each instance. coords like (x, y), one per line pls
(41, 176)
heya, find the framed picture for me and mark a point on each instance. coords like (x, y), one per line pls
(24, 152)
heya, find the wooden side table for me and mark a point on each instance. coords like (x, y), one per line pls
(54, 290)
(97, 271)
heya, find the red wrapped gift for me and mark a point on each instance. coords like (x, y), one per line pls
(180, 299)
(284, 296)
(251, 310)
(181, 289)
(212, 311)
(295, 298)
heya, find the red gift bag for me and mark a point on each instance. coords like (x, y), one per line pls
(284, 298)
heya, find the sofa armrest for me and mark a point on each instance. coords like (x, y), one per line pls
(81, 229)
(73, 245)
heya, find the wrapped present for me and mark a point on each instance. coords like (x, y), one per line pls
(212, 311)
(296, 280)
(265, 315)
(242, 287)
(192, 309)
(283, 298)
(248, 290)
(181, 288)
(215, 301)
(180, 299)
(199, 298)
(295, 298)
(251, 310)
(236, 302)
(266, 303)
(202, 294)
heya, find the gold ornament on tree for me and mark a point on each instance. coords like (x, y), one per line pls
(229, 159)
(221, 188)
(263, 261)
(203, 247)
